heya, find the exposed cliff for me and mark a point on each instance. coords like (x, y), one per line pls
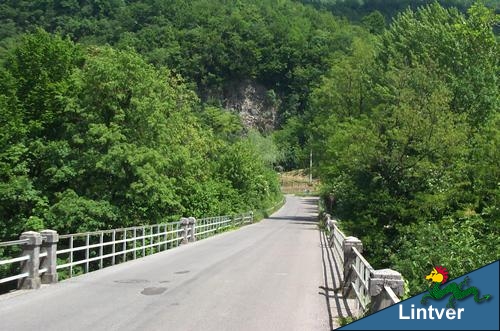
(256, 105)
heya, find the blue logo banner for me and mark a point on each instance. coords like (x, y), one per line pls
(467, 314)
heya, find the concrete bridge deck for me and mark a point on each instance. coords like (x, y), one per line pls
(278, 274)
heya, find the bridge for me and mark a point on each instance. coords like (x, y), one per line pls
(282, 273)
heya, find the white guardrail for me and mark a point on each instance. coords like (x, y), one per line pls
(46, 256)
(14, 260)
(110, 247)
(372, 289)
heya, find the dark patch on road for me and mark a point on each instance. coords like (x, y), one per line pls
(181, 272)
(164, 281)
(153, 290)
(132, 281)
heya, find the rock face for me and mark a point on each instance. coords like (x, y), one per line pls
(256, 105)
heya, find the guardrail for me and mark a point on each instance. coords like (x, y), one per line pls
(36, 262)
(14, 260)
(208, 226)
(373, 289)
(46, 253)
(99, 249)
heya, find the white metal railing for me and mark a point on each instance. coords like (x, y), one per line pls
(13, 242)
(390, 297)
(337, 239)
(358, 269)
(360, 282)
(208, 226)
(19, 273)
(243, 218)
(211, 225)
(95, 250)
(72, 254)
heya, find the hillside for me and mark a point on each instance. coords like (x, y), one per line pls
(356, 10)
(279, 47)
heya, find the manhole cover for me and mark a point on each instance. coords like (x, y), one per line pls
(153, 290)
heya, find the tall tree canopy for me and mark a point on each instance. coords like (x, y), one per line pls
(406, 132)
(94, 137)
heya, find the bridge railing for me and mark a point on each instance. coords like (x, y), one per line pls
(359, 281)
(46, 255)
(14, 261)
(35, 261)
(206, 227)
(372, 289)
(90, 251)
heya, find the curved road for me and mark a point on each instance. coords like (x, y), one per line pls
(265, 276)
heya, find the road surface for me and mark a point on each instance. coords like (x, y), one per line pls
(265, 276)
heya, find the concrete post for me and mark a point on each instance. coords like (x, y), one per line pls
(349, 258)
(251, 216)
(31, 266)
(330, 225)
(49, 245)
(192, 225)
(186, 228)
(380, 299)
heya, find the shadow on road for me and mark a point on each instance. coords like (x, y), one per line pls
(337, 305)
(310, 201)
(310, 219)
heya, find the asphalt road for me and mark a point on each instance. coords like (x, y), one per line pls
(265, 276)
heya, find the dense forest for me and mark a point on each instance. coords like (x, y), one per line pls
(112, 114)
(356, 10)
(405, 129)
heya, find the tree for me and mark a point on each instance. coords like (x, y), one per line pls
(374, 22)
(409, 158)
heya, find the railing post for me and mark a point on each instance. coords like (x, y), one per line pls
(31, 266)
(349, 257)
(378, 280)
(330, 225)
(186, 228)
(49, 245)
(192, 225)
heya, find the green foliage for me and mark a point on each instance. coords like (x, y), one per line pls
(406, 130)
(290, 141)
(95, 138)
(238, 164)
(374, 22)
(224, 124)
(461, 244)
(282, 45)
(265, 147)
(356, 10)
